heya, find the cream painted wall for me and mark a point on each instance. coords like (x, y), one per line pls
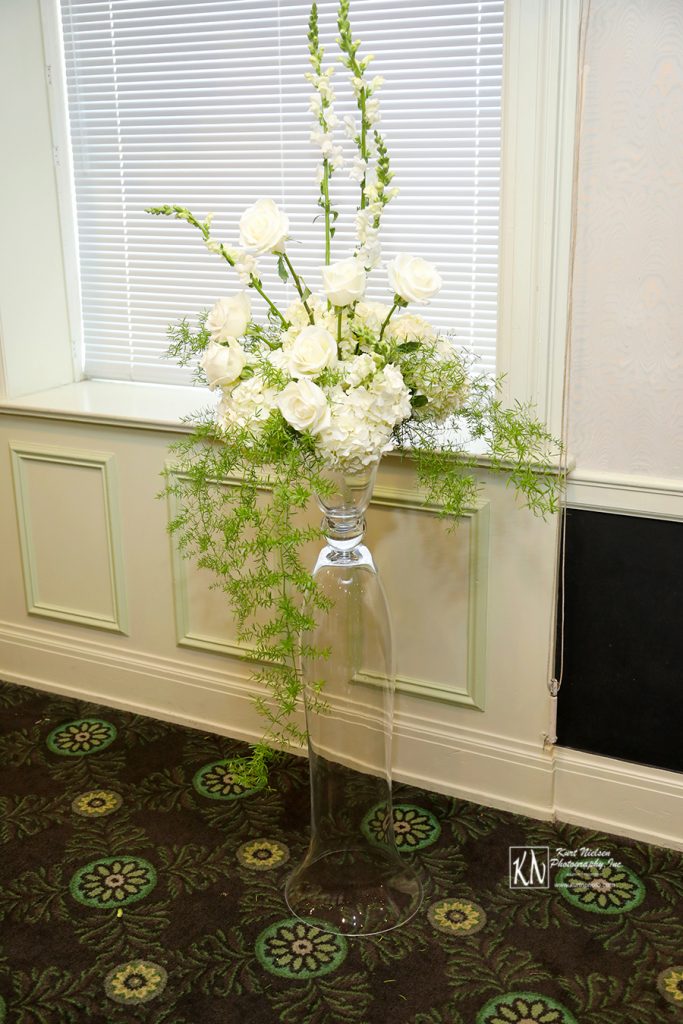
(627, 347)
(177, 655)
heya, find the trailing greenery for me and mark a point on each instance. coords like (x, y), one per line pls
(240, 514)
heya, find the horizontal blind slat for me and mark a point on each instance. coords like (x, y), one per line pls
(203, 102)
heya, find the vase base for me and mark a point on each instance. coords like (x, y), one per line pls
(355, 891)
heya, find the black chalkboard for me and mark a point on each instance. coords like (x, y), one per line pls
(622, 693)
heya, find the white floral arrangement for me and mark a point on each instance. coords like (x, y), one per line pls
(335, 380)
(332, 365)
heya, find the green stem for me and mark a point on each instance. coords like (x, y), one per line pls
(326, 196)
(389, 316)
(298, 285)
(256, 284)
(340, 313)
(363, 143)
(182, 213)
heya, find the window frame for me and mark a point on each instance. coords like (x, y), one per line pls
(540, 89)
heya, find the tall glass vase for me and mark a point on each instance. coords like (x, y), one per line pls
(352, 877)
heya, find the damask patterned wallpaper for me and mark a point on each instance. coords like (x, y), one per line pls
(626, 399)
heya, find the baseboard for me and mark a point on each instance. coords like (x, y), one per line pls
(617, 796)
(644, 803)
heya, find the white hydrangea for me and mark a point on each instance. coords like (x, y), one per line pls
(247, 405)
(372, 314)
(362, 419)
(410, 327)
(443, 401)
(357, 369)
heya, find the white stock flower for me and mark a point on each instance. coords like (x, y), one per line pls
(413, 278)
(344, 281)
(222, 364)
(264, 227)
(229, 317)
(304, 405)
(312, 351)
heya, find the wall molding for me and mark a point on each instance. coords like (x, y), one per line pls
(596, 792)
(626, 494)
(616, 796)
(470, 695)
(105, 464)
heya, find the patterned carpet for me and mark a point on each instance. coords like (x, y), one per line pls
(138, 883)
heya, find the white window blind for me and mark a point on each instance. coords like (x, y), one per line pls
(204, 103)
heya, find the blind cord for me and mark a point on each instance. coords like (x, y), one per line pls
(557, 642)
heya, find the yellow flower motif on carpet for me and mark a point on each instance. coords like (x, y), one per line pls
(670, 984)
(457, 917)
(97, 803)
(138, 981)
(262, 854)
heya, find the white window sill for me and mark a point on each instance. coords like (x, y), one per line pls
(114, 403)
(160, 407)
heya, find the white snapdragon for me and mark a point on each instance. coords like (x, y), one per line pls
(246, 266)
(376, 83)
(228, 318)
(413, 278)
(264, 227)
(358, 169)
(344, 281)
(304, 405)
(350, 126)
(313, 350)
(370, 253)
(222, 364)
(372, 112)
(357, 84)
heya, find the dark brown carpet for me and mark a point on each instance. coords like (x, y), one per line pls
(136, 884)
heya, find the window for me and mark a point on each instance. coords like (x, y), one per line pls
(204, 103)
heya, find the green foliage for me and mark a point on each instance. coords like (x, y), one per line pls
(238, 515)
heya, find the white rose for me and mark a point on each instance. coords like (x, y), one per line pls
(222, 364)
(264, 227)
(304, 405)
(312, 350)
(344, 282)
(229, 317)
(413, 278)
